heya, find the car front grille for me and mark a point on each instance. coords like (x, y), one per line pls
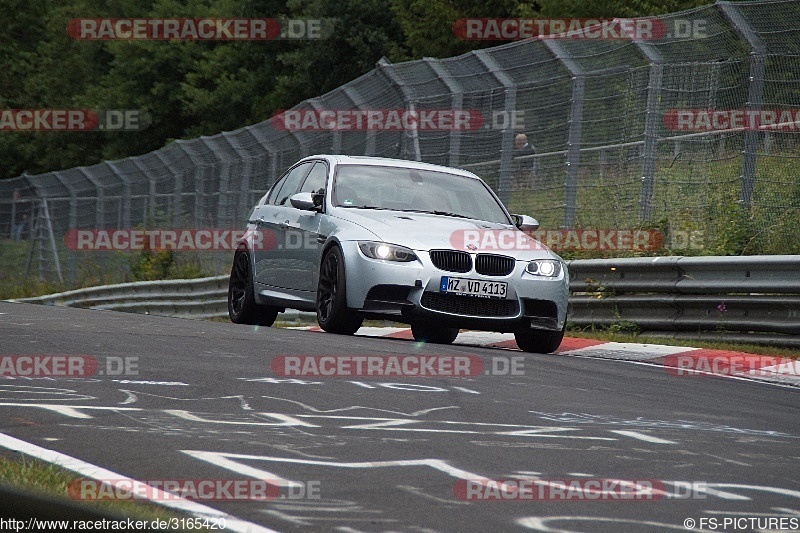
(451, 260)
(469, 305)
(494, 265)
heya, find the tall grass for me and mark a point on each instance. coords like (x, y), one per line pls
(696, 194)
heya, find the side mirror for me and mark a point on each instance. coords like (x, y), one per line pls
(525, 223)
(303, 201)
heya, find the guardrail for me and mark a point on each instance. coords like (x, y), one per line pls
(754, 299)
(184, 298)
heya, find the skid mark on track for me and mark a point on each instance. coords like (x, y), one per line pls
(357, 407)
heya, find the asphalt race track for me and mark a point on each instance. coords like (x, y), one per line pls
(201, 402)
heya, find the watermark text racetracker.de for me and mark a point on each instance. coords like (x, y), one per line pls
(699, 120)
(393, 366)
(198, 29)
(643, 29)
(66, 366)
(327, 120)
(556, 239)
(206, 489)
(704, 363)
(211, 239)
(583, 489)
(575, 239)
(25, 120)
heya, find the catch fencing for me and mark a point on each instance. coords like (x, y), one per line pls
(617, 127)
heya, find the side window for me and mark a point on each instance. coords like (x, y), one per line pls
(290, 184)
(316, 178)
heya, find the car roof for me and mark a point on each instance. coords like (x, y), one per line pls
(338, 159)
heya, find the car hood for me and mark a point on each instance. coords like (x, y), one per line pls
(422, 231)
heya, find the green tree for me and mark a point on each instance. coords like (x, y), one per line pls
(363, 32)
(428, 24)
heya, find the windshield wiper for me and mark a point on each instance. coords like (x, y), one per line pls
(366, 207)
(449, 214)
(434, 212)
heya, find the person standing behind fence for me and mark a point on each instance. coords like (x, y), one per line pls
(525, 169)
(21, 214)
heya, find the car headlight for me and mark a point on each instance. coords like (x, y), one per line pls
(387, 252)
(544, 267)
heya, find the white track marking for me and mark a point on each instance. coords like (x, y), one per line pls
(100, 474)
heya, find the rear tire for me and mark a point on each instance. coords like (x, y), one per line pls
(538, 341)
(432, 334)
(332, 313)
(242, 306)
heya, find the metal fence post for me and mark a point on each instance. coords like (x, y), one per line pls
(199, 199)
(226, 209)
(52, 239)
(273, 166)
(100, 205)
(650, 148)
(457, 102)
(385, 68)
(243, 200)
(360, 103)
(575, 129)
(507, 151)
(335, 134)
(11, 231)
(224, 174)
(126, 193)
(257, 134)
(755, 94)
(72, 223)
(177, 188)
(414, 134)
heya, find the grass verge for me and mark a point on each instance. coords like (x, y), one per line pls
(46, 479)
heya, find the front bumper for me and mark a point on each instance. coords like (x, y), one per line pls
(410, 291)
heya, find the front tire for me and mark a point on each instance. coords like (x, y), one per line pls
(332, 313)
(242, 306)
(432, 334)
(538, 341)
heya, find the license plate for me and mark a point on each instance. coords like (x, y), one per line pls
(473, 287)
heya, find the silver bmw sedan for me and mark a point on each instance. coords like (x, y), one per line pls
(431, 246)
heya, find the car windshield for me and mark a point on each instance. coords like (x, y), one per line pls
(414, 190)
